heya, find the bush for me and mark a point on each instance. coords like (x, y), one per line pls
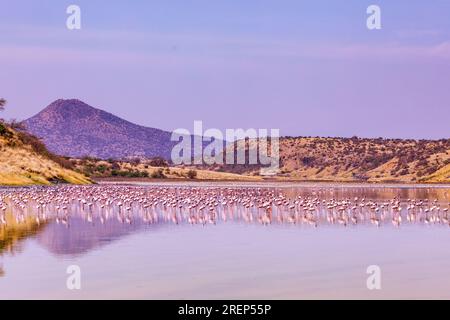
(3, 130)
(158, 174)
(101, 168)
(134, 174)
(308, 161)
(158, 162)
(192, 174)
(129, 174)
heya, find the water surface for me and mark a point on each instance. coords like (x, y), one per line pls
(229, 252)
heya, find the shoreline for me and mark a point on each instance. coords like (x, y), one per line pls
(269, 183)
(246, 183)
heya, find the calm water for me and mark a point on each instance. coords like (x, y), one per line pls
(225, 250)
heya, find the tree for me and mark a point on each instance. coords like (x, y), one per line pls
(3, 129)
(2, 104)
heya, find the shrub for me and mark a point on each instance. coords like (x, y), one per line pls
(134, 174)
(3, 130)
(307, 161)
(158, 162)
(158, 174)
(192, 174)
(101, 168)
(144, 174)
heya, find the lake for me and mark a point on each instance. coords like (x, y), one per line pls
(225, 241)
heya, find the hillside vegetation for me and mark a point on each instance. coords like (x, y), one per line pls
(24, 160)
(306, 159)
(356, 159)
(157, 168)
(373, 160)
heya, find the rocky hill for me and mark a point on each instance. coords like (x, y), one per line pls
(359, 160)
(372, 160)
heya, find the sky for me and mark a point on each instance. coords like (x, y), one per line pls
(308, 68)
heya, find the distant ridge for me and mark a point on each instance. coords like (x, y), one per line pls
(73, 128)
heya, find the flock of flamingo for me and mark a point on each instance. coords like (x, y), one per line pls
(209, 205)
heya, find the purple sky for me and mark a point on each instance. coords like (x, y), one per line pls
(305, 67)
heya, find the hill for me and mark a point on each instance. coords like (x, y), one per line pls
(73, 128)
(356, 159)
(373, 160)
(26, 161)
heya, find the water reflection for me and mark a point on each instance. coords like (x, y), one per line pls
(80, 236)
(204, 242)
(74, 220)
(14, 232)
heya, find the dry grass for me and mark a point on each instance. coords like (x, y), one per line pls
(440, 176)
(20, 164)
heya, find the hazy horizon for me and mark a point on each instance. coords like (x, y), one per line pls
(309, 68)
(191, 127)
